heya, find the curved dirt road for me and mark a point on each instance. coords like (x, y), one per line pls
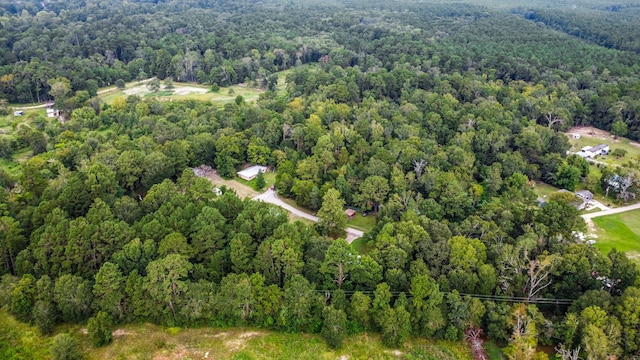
(270, 196)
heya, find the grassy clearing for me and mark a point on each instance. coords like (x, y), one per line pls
(145, 341)
(364, 223)
(620, 231)
(493, 350)
(360, 244)
(602, 137)
(21, 340)
(269, 178)
(241, 190)
(544, 190)
(11, 167)
(181, 92)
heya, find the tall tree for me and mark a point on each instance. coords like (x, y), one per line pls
(373, 191)
(334, 326)
(165, 281)
(332, 215)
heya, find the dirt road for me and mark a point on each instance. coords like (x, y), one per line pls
(271, 197)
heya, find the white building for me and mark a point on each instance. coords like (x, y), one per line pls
(52, 113)
(593, 151)
(251, 172)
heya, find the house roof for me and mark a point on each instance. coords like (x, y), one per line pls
(350, 212)
(585, 194)
(252, 171)
(598, 148)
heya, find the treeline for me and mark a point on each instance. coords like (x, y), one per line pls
(614, 28)
(227, 43)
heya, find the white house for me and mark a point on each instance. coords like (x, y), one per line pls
(602, 149)
(251, 172)
(593, 151)
(51, 112)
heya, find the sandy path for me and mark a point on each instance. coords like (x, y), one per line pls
(270, 196)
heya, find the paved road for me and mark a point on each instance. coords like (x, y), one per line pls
(611, 211)
(270, 196)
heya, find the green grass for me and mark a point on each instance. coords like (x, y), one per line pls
(11, 167)
(493, 350)
(160, 93)
(544, 190)
(620, 231)
(633, 151)
(146, 341)
(360, 244)
(269, 178)
(22, 340)
(364, 223)
(619, 143)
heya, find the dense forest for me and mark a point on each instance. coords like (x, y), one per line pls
(434, 117)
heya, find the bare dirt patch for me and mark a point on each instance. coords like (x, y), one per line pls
(120, 332)
(188, 90)
(242, 190)
(397, 353)
(178, 90)
(178, 353)
(240, 341)
(589, 130)
(595, 133)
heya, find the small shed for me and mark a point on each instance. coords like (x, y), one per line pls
(252, 172)
(575, 136)
(350, 213)
(18, 113)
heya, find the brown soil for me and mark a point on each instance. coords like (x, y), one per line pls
(241, 189)
(596, 133)
(589, 130)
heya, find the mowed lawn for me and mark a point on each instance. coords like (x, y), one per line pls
(620, 231)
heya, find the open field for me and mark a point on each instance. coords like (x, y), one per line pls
(620, 231)
(364, 223)
(269, 179)
(193, 91)
(544, 190)
(145, 341)
(242, 190)
(360, 244)
(184, 91)
(590, 136)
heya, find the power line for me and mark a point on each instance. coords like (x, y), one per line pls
(497, 298)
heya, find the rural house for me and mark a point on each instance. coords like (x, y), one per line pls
(593, 151)
(251, 172)
(585, 195)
